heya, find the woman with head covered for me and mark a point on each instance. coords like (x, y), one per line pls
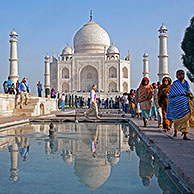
(145, 99)
(180, 107)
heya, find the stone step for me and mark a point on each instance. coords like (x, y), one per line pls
(24, 110)
(29, 114)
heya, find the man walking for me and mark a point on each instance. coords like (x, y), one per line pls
(180, 107)
(39, 87)
(93, 104)
(24, 90)
(9, 85)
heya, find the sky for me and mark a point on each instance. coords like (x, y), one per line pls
(46, 26)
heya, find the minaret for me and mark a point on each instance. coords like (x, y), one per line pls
(145, 65)
(13, 57)
(14, 162)
(47, 72)
(163, 56)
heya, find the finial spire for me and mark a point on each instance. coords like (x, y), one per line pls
(91, 16)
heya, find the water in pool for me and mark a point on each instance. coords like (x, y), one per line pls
(79, 158)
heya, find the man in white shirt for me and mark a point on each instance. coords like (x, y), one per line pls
(93, 105)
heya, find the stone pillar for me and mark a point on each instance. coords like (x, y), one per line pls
(69, 100)
(163, 56)
(47, 75)
(145, 65)
(72, 99)
(14, 162)
(13, 57)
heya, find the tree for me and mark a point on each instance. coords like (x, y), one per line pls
(187, 46)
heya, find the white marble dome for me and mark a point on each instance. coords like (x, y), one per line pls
(145, 55)
(113, 50)
(67, 51)
(47, 57)
(14, 33)
(91, 38)
(163, 28)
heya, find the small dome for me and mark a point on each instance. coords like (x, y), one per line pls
(47, 56)
(67, 51)
(91, 38)
(113, 50)
(13, 33)
(162, 28)
(145, 55)
(113, 160)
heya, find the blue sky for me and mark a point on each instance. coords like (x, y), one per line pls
(46, 26)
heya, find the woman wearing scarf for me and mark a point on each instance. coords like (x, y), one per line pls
(180, 107)
(163, 101)
(145, 99)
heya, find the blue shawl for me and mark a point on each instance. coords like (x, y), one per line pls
(178, 104)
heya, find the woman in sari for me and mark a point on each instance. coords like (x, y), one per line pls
(163, 101)
(180, 107)
(145, 99)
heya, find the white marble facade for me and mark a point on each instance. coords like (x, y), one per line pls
(92, 61)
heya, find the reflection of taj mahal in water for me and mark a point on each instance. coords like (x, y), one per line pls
(75, 149)
(92, 61)
(72, 144)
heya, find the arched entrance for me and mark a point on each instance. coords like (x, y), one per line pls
(41, 109)
(88, 77)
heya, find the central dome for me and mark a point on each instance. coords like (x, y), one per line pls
(91, 38)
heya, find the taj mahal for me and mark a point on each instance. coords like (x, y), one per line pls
(92, 61)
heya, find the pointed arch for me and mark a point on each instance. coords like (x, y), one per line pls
(112, 72)
(125, 87)
(125, 72)
(65, 73)
(88, 77)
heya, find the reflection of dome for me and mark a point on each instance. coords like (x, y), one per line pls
(67, 51)
(67, 157)
(92, 172)
(113, 160)
(91, 38)
(113, 50)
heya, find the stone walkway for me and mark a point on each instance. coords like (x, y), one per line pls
(178, 154)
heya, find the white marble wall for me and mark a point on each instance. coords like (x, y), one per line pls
(97, 62)
(8, 104)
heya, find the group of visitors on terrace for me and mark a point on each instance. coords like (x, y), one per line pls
(165, 102)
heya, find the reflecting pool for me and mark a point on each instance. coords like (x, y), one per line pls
(79, 158)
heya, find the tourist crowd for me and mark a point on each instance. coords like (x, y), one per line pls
(164, 102)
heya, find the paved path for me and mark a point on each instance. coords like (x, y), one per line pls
(177, 153)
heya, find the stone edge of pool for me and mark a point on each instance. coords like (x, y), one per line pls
(176, 175)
